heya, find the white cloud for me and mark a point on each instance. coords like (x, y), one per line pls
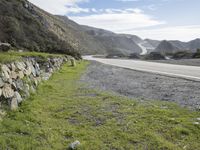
(118, 20)
(184, 33)
(60, 7)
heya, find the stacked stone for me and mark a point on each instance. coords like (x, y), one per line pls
(19, 79)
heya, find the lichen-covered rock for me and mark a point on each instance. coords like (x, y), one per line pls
(7, 91)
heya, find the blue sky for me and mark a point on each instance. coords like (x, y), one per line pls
(155, 19)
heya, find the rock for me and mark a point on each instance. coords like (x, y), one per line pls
(19, 84)
(13, 75)
(5, 72)
(37, 69)
(1, 82)
(13, 103)
(0, 92)
(5, 47)
(74, 145)
(18, 97)
(196, 123)
(198, 119)
(20, 65)
(7, 91)
(14, 86)
(21, 74)
(13, 67)
(73, 62)
(28, 71)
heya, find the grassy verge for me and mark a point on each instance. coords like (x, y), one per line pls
(6, 57)
(63, 111)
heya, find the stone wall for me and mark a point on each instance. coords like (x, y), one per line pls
(19, 79)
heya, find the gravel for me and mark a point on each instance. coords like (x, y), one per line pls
(142, 85)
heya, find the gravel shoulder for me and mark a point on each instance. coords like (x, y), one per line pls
(142, 85)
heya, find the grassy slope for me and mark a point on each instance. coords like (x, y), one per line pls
(6, 57)
(63, 111)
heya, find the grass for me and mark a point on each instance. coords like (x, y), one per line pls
(63, 111)
(6, 57)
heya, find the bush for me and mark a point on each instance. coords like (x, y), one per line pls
(154, 56)
(182, 55)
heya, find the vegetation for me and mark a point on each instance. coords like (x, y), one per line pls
(25, 28)
(182, 55)
(63, 110)
(6, 57)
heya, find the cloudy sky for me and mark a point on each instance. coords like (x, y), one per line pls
(155, 19)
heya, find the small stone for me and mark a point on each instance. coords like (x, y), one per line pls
(73, 62)
(74, 145)
(196, 123)
(7, 91)
(5, 72)
(198, 119)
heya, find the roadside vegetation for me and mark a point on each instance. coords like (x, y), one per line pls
(64, 110)
(6, 57)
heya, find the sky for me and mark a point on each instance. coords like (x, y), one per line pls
(154, 19)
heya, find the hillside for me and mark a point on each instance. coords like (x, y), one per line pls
(23, 26)
(166, 47)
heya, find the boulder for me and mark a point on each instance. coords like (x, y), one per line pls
(7, 91)
(5, 47)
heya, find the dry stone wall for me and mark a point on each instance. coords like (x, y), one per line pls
(19, 79)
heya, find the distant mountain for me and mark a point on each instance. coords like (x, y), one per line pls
(194, 45)
(115, 43)
(166, 47)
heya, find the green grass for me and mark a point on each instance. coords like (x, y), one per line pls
(63, 111)
(6, 57)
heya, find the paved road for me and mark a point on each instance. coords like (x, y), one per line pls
(187, 72)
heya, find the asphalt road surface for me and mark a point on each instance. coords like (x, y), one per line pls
(186, 72)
